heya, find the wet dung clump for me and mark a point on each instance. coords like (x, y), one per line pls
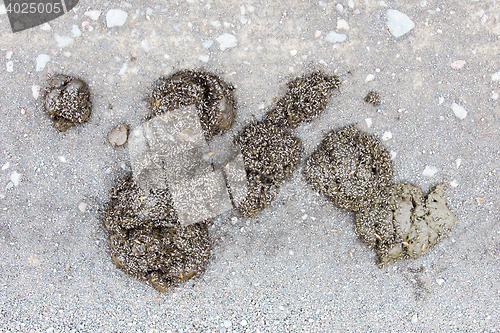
(351, 168)
(373, 98)
(305, 99)
(270, 153)
(147, 241)
(67, 101)
(212, 97)
(407, 225)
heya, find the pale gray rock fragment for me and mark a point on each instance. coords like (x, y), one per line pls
(398, 23)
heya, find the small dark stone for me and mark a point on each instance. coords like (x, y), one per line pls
(373, 98)
(67, 101)
(212, 97)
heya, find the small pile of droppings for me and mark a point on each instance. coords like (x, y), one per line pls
(351, 168)
(146, 240)
(271, 153)
(407, 225)
(67, 101)
(212, 97)
(373, 98)
(305, 99)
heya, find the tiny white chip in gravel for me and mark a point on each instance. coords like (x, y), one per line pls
(226, 41)
(10, 66)
(459, 111)
(243, 322)
(458, 162)
(116, 18)
(368, 122)
(227, 323)
(387, 136)
(494, 95)
(495, 76)
(63, 41)
(93, 14)
(342, 24)
(369, 77)
(3, 10)
(41, 61)
(429, 171)
(439, 281)
(334, 37)
(75, 31)
(35, 89)
(15, 177)
(398, 23)
(6, 166)
(82, 206)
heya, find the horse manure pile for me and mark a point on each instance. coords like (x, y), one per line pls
(354, 171)
(212, 97)
(67, 101)
(146, 240)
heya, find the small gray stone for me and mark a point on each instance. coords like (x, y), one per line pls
(118, 135)
(116, 18)
(459, 111)
(398, 23)
(334, 37)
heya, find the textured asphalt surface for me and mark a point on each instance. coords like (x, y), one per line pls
(298, 266)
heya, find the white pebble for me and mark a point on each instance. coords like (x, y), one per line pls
(393, 154)
(234, 220)
(45, 27)
(226, 41)
(15, 178)
(63, 41)
(62, 159)
(458, 162)
(290, 252)
(149, 11)
(439, 281)
(93, 14)
(350, 3)
(3, 10)
(35, 89)
(414, 318)
(441, 100)
(203, 58)
(6, 166)
(10, 66)
(82, 206)
(457, 64)
(459, 111)
(317, 33)
(75, 31)
(495, 76)
(9, 54)
(67, 54)
(387, 136)
(369, 122)
(334, 37)
(304, 217)
(293, 52)
(369, 77)
(494, 95)
(116, 18)
(41, 61)
(429, 171)
(243, 322)
(215, 23)
(339, 8)
(208, 44)
(145, 45)
(342, 24)
(227, 323)
(398, 23)
(123, 70)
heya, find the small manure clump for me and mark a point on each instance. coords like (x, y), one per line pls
(212, 97)
(67, 101)
(270, 153)
(351, 168)
(305, 99)
(407, 225)
(373, 98)
(147, 241)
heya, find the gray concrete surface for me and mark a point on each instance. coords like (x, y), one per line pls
(298, 266)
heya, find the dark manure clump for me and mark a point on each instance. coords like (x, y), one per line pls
(373, 98)
(305, 99)
(67, 101)
(351, 168)
(407, 225)
(212, 97)
(147, 241)
(271, 154)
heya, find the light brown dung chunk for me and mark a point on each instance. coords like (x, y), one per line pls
(305, 99)
(270, 154)
(67, 101)
(408, 225)
(147, 242)
(212, 97)
(351, 168)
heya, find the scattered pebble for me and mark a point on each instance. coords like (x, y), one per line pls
(429, 171)
(15, 178)
(414, 318)
(234, 220)
(495, 76)
(293, 52)
(453, 183)
(243, 322)
(304, 217)
(45, 27)
(334, 37)
(85, 23)
(227, 323)
(145, 45)
(208, 44)
(118, 135)
(317, 33)
(458, 162)
(203, 58)
(3, 10)
(439, 281)
(93, 14)
(494, 95)
(226, 41)
(393, 154)
(342, 24)
(441, 100)
(215, 24)
(116, 18)
(369, 122)
(62, 159)
(75, 31)
(123, 70)
(9, 54)
(63, 41)
(6, 166)
(82, 206)
(457, 64)
(35, 89)
(387, 136)
(10, 66)
(459, 111)
(369, 77)
(23, 111)
(41, 61)
(398, 23)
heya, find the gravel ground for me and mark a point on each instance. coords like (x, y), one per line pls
(298, 265)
